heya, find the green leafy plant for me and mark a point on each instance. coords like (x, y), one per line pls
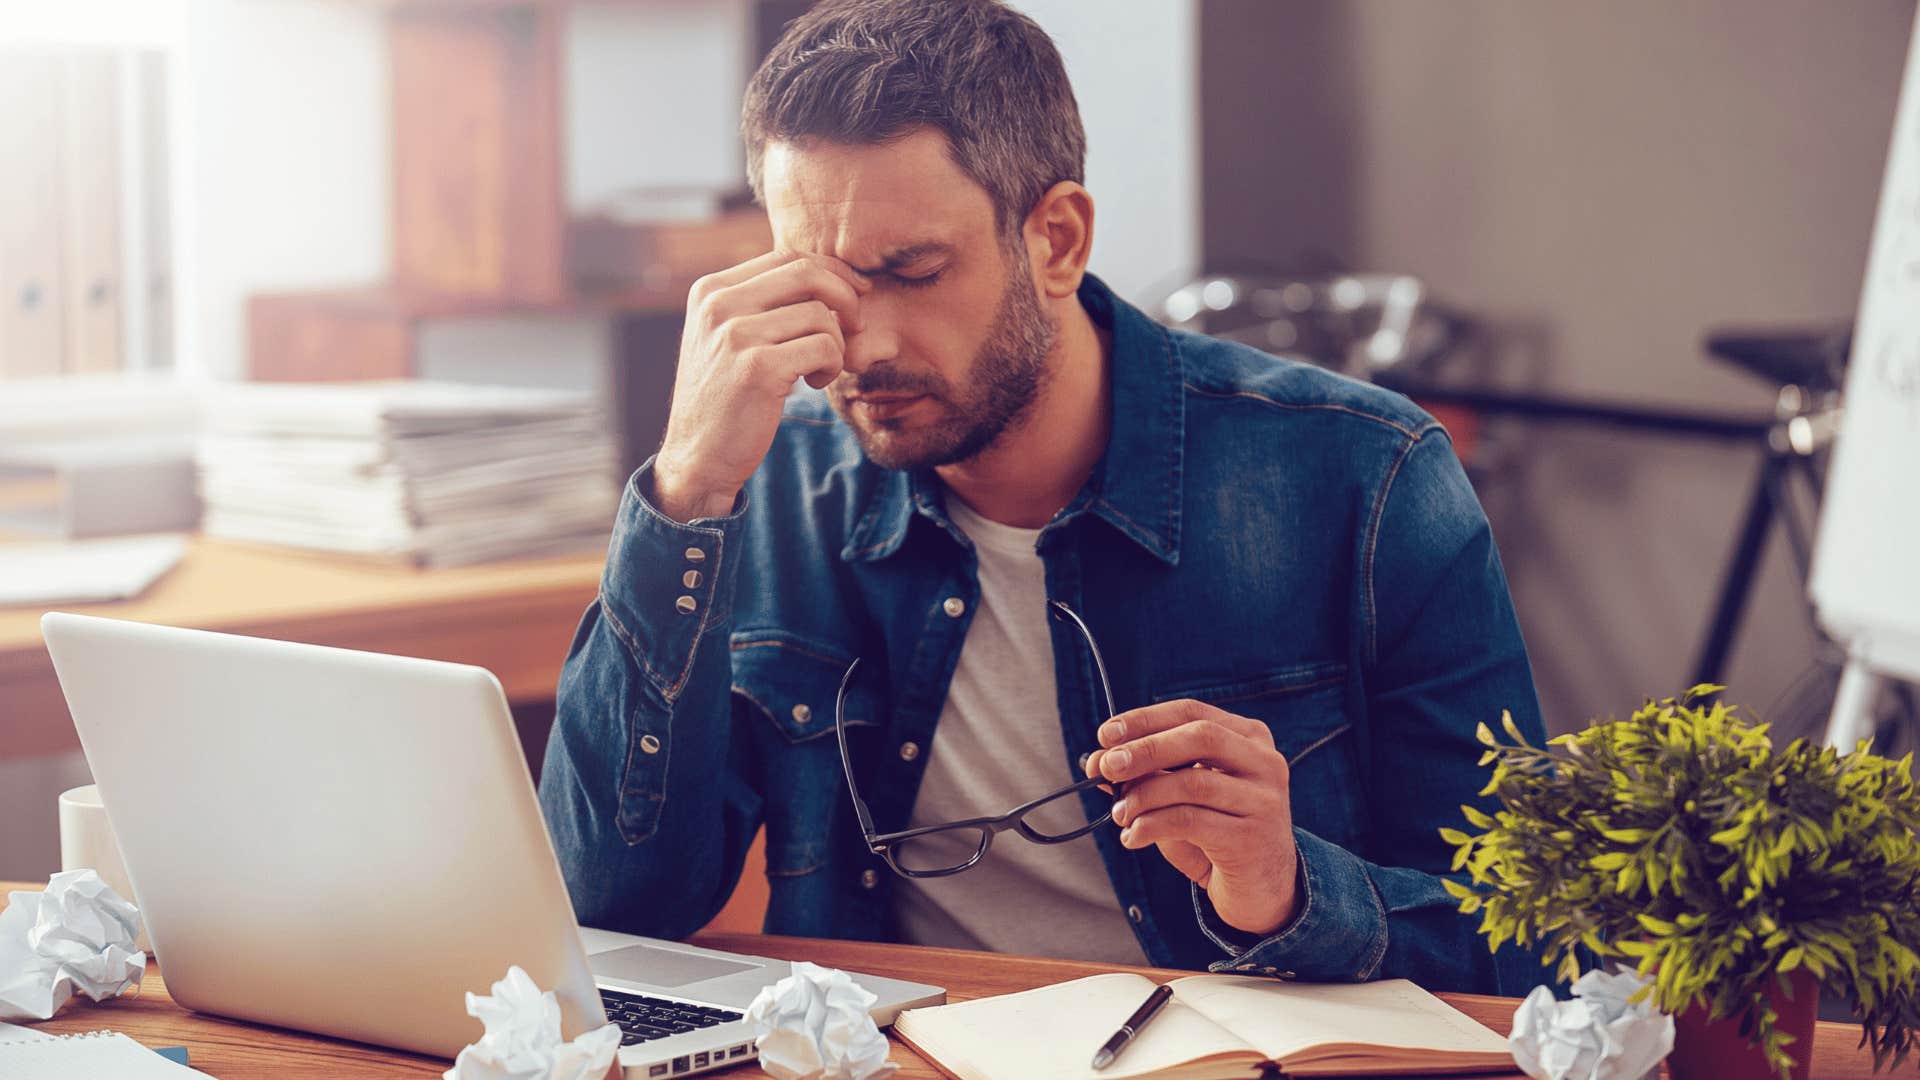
(1680, 841)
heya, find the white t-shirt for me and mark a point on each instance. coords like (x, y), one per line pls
(998, 745)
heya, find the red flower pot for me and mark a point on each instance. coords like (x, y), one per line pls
(1706, 1049)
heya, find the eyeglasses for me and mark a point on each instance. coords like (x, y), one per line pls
(932, 851)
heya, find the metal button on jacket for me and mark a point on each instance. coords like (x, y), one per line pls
(868, 879)
(649, 744)
(909, 751)
(686, 605)
(954, 606)
(696, 555)
(691, 579)
(802, 714)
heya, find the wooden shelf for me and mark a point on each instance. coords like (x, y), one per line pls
(480, 225)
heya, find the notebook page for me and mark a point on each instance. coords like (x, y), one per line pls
(1053, 1032)
(1282, 1018)
(97, 1053)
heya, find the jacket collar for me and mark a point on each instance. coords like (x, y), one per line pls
(1136, 487)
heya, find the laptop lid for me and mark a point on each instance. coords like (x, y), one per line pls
(333, 841)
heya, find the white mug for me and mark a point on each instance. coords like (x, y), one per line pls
(87, 843)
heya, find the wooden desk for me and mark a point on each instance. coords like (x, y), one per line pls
(515, 619)
(230, 1050)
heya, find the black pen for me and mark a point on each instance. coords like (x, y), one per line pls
(1160, 996)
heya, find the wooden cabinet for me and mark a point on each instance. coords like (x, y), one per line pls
(32, 314)
(84, 210)
(480, 222)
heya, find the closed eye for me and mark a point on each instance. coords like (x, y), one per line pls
(920, 282)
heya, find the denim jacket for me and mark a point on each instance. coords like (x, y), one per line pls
(1260, 534)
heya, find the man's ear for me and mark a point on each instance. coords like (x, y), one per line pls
(1059, 238)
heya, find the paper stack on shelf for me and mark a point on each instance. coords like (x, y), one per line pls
(441, 474)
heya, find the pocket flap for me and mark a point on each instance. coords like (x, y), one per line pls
(1301, 705)
(794, 683)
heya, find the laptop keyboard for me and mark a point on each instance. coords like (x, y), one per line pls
(643, 1018)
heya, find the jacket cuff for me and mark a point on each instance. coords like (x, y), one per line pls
(666, 584)
(1338, 935)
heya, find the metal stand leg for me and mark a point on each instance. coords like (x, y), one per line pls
(1852, 718)
(1738, 581)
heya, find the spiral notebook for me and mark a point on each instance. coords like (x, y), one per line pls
(96, 1053)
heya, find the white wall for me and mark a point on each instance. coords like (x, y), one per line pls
(1132, 64)
(132, 23)
(285, 170)
(1601, 184)
(653, 96)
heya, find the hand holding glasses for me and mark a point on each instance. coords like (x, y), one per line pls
(932, 851)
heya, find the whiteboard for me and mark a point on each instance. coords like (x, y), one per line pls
(1866, 570)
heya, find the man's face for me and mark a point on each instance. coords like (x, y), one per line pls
(954, 341)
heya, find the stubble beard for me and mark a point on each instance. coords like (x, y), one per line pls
(1007, 374)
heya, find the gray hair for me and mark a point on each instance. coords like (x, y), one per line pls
(868, 71)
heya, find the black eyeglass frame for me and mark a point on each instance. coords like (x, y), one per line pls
(882, 844)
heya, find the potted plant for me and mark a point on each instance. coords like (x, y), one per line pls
(1740, 878)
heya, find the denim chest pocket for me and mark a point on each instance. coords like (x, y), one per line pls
(794, 683)
(1303, 706)
(788, 687)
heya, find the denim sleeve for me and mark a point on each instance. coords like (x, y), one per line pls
(650, 803)
(1442, 652)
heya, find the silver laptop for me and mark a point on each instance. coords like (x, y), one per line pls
(347, 843)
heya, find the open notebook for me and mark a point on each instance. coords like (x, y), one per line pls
(1215, 1026)
(33, 1055)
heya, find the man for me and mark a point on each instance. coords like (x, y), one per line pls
(1282, 576)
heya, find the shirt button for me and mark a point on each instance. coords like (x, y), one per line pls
(909, 751)
(696, 555)
(869, 879)
(1134, 913)
(954, 607)
(802, 714)
(649, 744)
(691, 579)
(686, 605)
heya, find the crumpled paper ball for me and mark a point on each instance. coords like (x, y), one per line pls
(1596, 1036)
(78, 935)
(522, 1038)
(814, 1025)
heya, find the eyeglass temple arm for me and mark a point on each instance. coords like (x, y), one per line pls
(1099, 665)
(846, 758)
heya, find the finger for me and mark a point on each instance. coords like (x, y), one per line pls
(734, 275)
(1203, 828)
(1171, 714)
(862, 284)
(1231, 795)
(814, 357)
(1196, 742)
(789, 323)
(805, 278)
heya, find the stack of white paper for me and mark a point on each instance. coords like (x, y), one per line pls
(437, 473)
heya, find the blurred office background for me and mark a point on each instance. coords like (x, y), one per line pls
(517, 192)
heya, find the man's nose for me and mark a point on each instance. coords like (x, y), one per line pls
(875, 343)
